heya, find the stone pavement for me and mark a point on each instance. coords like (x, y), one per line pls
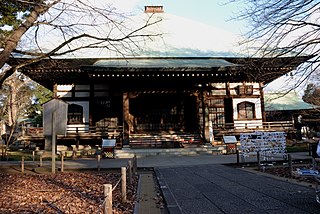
(146, 195)
(222, 189)
(156, 161)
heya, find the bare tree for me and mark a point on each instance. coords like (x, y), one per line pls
(312, 94)
(16, 98)
(279, 28)
(62, 27)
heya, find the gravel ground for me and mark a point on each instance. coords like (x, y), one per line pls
(284, 172)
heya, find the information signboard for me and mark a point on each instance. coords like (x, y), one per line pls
(268, 144)
(230, 139)
(108, 143)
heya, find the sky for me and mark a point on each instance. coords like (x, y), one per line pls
(212, 12)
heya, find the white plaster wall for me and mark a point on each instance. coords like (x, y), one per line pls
(64, 94)
(65, 90)
(233, 86)
(218, 92)
(219, 86)
(248, 124)
(256, 101)
(75, 128)
(255, 85)
(64, 87)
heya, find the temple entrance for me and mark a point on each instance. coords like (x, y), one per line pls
(163, 112)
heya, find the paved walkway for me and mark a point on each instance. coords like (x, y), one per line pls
(221, 189)
(155, 161)
(146, 195)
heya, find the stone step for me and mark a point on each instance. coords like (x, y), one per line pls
(144, 140)
(129, 152)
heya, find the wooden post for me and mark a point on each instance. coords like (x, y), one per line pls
(40, 160)
(2, 151)
(135, 165)
(290, 165)
(62, 162)
(53, 152)
(238, 157)
(130, 171)
(258, 160)
(74, 152)
(98, 162)
(107, 209)
(123, 184)
(309, 148)
(22, 164)
(314, 164)
(33, 154)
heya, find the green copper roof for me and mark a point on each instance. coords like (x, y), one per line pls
(164, 63)
(285, 102)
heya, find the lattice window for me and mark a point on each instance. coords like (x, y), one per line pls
(216, 112)
(245, 90)
(246, 110)
(75, 114)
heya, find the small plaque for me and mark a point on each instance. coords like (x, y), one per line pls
(229, 139)
(108, 143)
(307, 172)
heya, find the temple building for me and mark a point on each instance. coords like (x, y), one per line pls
(189, 86)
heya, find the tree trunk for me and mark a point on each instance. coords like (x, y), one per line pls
(14, 39)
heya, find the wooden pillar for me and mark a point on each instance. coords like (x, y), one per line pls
(91, 105)
(55, 91)
(205, 124)
(126, 118)
(264, 119)
(228, 89)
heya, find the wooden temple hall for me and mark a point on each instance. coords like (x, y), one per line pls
(154, 102)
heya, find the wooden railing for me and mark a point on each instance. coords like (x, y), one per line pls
(279, 125)
(32, 131)
(38, 131)
(94, 129)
